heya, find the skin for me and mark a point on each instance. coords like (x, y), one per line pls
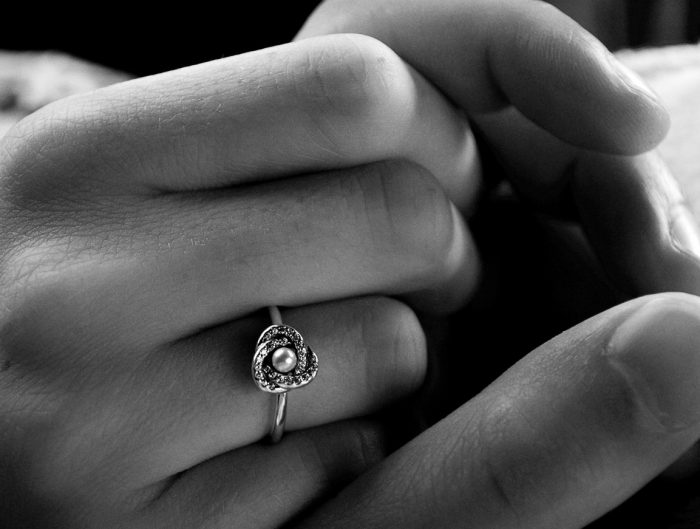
(96, 380)
(523, 126)
(566, 434)
(640, 255)
(148, 222)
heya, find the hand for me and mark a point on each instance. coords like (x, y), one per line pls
(135, 253)
(543, 93)
(652, 246)
(143, 227)
(566, 434)
(30, 80)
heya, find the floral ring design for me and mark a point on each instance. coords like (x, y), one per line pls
(282, 360)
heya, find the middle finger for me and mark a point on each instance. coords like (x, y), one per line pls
(200, 396)
(169, 267)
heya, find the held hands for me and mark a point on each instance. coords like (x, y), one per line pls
(148, 221)
(571, 431)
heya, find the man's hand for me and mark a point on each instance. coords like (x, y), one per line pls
(565, 435)
(630, 207)
(544, 94)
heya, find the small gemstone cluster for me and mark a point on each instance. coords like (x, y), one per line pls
(282, 361)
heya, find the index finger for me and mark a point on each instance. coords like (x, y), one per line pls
(486, 55)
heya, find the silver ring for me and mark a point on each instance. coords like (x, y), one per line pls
(282, 362)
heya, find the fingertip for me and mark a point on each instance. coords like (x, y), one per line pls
(639, 129)
(657, 350)
(619, 121)
(640, 120)
(565, 80)
(456, 278)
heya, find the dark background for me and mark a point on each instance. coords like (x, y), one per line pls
(130, 37)
(133, 39)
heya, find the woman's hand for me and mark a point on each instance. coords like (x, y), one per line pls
(143, 227)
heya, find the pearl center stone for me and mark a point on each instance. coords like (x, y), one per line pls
(284, 359)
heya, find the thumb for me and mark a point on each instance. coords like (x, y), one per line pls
(564, 436)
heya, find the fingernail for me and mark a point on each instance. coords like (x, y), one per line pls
(657, 350)
(633, 81)
(684, 231)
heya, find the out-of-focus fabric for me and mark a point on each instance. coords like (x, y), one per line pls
(636, 23)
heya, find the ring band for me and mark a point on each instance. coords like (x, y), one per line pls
(282, 362)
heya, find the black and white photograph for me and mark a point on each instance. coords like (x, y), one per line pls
(350, 264)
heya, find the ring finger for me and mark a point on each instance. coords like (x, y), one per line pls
(198, 393)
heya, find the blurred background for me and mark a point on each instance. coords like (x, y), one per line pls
(635, 23)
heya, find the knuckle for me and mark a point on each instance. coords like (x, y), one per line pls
(357, 77)
(44, 303)
(40, 135)
(32, 153)
(525, 465)
(412, 213)
(343, 16)
(57, 150)
(507, 465)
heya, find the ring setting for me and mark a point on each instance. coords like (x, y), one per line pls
(282, 362)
